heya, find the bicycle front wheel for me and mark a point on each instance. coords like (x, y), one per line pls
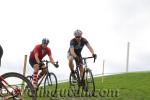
(89, 85)
(30, 78)
(16, 88)
(50, 84)
(74, 83)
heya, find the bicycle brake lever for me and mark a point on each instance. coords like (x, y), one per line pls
(56, 62)
(94, 60)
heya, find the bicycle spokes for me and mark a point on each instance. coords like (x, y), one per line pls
(89, 85)
(74, 83)
(50, 83)
(17, 88)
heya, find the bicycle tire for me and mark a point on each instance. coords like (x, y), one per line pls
(26, 83)
(30, 78)
(88, 76)
(50, 84)
(74, 83)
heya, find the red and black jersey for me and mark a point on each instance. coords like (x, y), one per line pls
(42, 52)
(1, 53)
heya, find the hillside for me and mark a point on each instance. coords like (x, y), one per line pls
(127, 86)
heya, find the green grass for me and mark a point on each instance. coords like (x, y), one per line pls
(127, 86)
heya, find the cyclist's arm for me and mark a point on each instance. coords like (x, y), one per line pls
(50, 55)
(51, 59)
(37, 58)
(72, 52)
(90, 48)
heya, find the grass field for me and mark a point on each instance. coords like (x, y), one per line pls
(127, 86)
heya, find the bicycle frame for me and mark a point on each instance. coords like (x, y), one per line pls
(5, 84)
(83, 82)
(43, 76)
(21, 88)
(85, 68)
(39, 83)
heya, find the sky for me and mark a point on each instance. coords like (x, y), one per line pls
(108, 25)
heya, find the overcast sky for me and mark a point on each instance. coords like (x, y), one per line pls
(107, 24)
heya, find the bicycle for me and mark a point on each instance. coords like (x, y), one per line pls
(86, 81)
(50, 82)
(12, 87)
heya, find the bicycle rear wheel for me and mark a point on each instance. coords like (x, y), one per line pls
(89, 85)
(17, 87)
(50, 84)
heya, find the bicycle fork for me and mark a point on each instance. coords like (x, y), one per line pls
(84, 79)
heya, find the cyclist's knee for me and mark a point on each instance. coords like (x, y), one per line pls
(36, 67)
(71, 62)
(70, 58)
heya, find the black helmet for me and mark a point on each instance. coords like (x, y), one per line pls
(45, 41)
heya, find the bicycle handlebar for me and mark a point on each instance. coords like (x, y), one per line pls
(84, 58)
(46, 61)
(49, 61)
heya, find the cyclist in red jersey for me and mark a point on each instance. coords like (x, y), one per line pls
(1, 53)
(74, 52)
(36, 56)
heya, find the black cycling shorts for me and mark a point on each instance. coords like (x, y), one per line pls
(80, 62)
(33, 62)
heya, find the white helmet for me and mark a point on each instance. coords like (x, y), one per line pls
(77, 33)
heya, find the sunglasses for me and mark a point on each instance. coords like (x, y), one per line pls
(45, 44)
(78, 37)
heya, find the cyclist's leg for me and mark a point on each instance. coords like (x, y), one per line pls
(35, 67)
(81, 71)
(35, 75)
(44, 71)
(71, 65)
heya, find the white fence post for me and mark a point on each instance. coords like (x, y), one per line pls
(25, 63)
(103, 71)
(127, 62)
